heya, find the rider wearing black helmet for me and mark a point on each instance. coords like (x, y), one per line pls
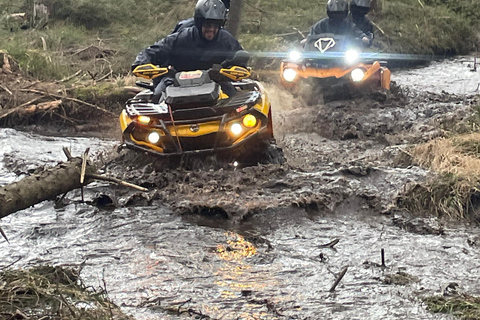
(193, 48)
(191, 21)
(358, 11)
(337, 22)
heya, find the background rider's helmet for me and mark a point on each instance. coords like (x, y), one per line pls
(213, 10)
(227, 4)
(359, 8)
(337, 10)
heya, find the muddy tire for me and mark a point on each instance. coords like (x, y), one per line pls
(266, 152)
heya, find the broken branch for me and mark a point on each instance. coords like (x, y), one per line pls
(68, 98)
(339, 278)
(115, 180)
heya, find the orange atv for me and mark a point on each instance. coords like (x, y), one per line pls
(337, 65)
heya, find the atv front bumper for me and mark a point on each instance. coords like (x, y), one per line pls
(291, 73)
(193, 138)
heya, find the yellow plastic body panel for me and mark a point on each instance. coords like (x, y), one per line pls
(184, 131)
(235, 73)
(149, 71)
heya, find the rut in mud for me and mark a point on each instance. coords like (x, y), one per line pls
(251, 243)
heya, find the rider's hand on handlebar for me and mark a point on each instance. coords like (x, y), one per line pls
(365, 40)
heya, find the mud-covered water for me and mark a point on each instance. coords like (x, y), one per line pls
(159, 258)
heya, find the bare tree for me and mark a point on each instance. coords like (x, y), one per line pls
(234, 16)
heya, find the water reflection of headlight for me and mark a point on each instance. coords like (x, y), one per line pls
(352, 56)
(295, 56)
(357, 75)
(153, 137)
(289, 75)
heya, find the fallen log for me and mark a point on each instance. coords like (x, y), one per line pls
(51, 182)
(45, 185)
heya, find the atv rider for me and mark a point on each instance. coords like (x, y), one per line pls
(195, 48)
(337, 22)
(190, 22)
(358, 12)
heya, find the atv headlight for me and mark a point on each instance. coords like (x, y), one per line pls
(289, 75)
(295, 56)
(357, 75)
(153, 137)
(236, 129)
(352, 57)
(249, 121)
(144, 119)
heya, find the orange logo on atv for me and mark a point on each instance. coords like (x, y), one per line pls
(190, 75)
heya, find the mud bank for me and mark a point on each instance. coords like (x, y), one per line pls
(252, 242)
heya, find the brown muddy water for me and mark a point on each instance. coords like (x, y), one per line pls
(252, 243)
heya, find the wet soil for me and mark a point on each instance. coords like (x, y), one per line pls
(252, 243)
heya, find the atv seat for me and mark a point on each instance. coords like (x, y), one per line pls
(186, 97)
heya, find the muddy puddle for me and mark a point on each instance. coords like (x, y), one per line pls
(265, 242)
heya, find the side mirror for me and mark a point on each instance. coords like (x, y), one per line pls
(240, 58)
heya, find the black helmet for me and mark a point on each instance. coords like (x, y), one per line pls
(361, 3)
(210, 10)
(227, 4)
(359, 7)
(337, 9)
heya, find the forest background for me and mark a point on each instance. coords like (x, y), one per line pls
(119, 29)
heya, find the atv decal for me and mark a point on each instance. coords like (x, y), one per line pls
(323, 44)
(190, 75)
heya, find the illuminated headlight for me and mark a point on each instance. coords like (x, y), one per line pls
(295, 56)
(153, 137)
(357, 75)
(249, 121)
(144, 119)
(289, 75)
(352, 56)
(236, 129)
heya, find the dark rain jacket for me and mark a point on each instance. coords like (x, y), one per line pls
(187, 50)
(187, 23)
(365, 25)
(345, 27)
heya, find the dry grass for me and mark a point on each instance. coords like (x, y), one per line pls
(458, 156)
(453, 193)
(52, 293)
(462, 306)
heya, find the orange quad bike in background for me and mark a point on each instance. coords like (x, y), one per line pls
(337, 67)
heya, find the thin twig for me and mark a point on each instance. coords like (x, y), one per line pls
(11, 264)
(68, 98)
(330, 244)
(71, 77)
(376, 26)
(10, 111)
(339, 278)
(4, 235)
(67, 153)
(6, 89)
(84, 165)
(115, 180)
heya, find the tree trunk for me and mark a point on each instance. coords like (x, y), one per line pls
(45, 185)
(234, 16)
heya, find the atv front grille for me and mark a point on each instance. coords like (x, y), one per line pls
(206, 142)
(146, 109)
